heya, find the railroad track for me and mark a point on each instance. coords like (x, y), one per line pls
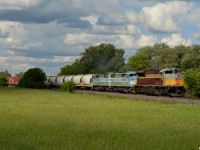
(161, 99)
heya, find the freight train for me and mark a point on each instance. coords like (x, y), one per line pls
(167, 81)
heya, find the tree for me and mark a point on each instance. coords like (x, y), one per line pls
(139, 61)
(33, 78)
(3, 81)
(96, 59)
(192, 81)
(75, 68)
(191, 58)
(19, 74)
(5, 74)
(162, 56)
(180, 51)
(3, 78)
(116, 62)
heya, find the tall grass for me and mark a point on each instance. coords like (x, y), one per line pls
(49, 120)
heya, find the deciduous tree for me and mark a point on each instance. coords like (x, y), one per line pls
(33, 78)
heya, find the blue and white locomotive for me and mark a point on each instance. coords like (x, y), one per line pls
(115, 81)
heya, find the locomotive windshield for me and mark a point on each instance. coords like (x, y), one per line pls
(169, 72)
(177, 71)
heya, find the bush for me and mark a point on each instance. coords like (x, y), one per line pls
(3, 81)
(192, 82)
(33, 78)
(68, 86)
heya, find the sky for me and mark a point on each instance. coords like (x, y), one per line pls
(52, 33)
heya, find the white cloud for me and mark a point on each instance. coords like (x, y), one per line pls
(175, 40)
(17, 4)
(121, 18)
(16, 35)
(22, 63)
(163, 17)
(133, 17)
(125, 41)
(115, 30)
(82, 38)
(122, 41)
(146, 40)
(92, 19)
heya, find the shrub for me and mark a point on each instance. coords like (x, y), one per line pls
(33, 78)
(192, 82)
(3, 81)
(68, 86)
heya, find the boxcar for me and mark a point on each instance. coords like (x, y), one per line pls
(13, 80)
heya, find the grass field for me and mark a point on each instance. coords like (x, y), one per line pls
(50, 120)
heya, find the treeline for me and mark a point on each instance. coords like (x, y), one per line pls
(106, 58)
(161, 56)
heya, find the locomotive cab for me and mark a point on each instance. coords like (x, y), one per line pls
(172, 77)
(173, 80)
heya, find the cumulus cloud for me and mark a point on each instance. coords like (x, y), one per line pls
(17, 4)
(52, 33)
(125, 41)
(163, 17)
(146, 40)
(22, 63)
(129, 17)
(15, 36)
(44, 11)
(175, 40)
